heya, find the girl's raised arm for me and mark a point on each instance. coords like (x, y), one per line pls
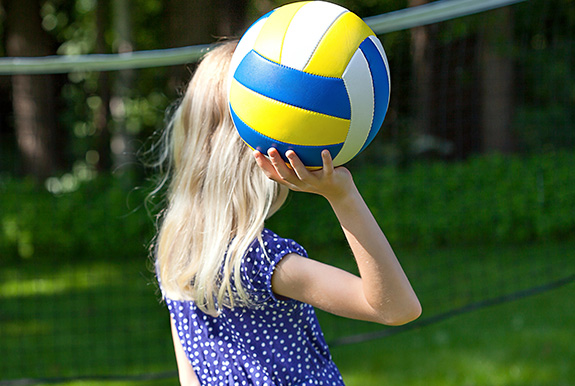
(382, 293)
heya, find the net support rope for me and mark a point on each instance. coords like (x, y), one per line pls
(503, 299)
(430, 13)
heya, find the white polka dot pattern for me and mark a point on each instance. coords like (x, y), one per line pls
(277, 342)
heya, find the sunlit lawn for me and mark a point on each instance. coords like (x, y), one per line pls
(103, 318)
(524, 343)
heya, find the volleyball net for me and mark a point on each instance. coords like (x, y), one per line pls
(471, 231)
(392, 22)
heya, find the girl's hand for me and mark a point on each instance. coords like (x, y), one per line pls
(329, 182)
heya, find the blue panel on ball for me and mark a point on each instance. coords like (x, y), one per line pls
(321, 94)
(309, 155)
(380, 86)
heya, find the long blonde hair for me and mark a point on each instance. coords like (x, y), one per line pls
(218, 198)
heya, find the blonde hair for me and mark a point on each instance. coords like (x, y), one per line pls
(218, 198)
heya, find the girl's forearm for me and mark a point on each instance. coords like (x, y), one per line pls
(385, 284)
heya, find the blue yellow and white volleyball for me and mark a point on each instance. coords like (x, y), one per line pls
(309, 76)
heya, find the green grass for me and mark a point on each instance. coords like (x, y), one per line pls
(103, 318)
(90, 318)
(523, 343)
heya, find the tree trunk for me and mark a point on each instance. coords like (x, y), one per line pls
(497, 74)
(187, 23)
(102, 115)
(7, 146)
(422, 73)
(231, 15)
(200, 22)
(34, 96)
(122, 143)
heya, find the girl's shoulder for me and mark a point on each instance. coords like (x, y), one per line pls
(262, 257)
(277, 245)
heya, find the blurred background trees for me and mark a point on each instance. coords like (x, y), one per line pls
(75, 235)
(459, 88)
(34, 97)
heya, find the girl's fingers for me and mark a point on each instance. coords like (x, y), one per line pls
(295, 175)
(270, 168)
(327, 162)
(264, 164)
(296, 164)
(279, 164)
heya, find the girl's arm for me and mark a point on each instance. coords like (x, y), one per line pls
(186, 372)
(382, 293)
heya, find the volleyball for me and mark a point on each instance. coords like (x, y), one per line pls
(309, 76)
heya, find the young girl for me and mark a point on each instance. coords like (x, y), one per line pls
(241, 298)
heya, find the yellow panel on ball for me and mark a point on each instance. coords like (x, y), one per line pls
(286, 123)
(343, 38)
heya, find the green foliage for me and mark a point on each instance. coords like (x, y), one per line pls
(99, 220)
(544, 117)
(486, 199)
(530, 119)
(87, 27)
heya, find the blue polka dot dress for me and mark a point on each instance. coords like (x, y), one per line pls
(276, 342)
